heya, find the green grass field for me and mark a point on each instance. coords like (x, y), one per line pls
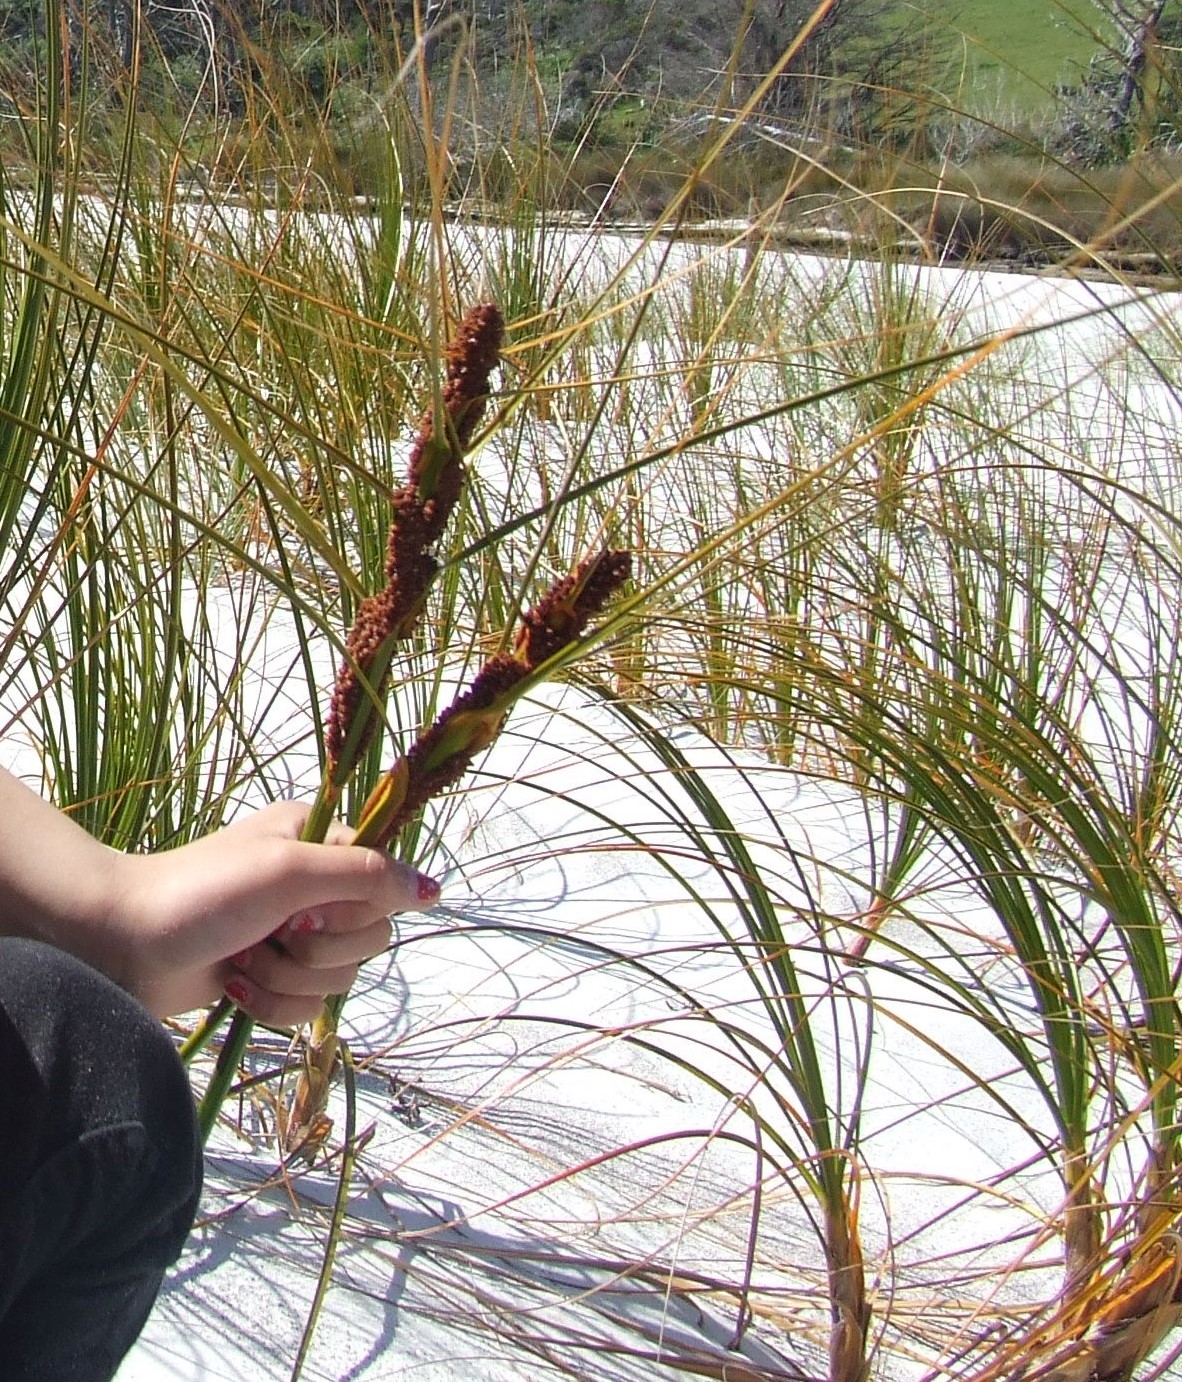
(1015, 52)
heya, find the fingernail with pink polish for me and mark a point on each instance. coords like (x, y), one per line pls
(306, 923)
(238, 992)
(427, 888)
(241, 960)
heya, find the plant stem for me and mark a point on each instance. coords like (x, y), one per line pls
(199, 1038)
(234, 1047)
(229, 1059)
(344, 1180)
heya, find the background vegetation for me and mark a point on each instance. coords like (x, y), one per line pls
(1045, 105)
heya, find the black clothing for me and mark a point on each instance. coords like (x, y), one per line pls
(100, 1166)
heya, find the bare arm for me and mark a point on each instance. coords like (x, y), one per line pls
(180, 927)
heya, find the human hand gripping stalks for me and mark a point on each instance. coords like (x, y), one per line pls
(549, 635)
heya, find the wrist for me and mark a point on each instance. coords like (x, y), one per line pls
(59, 885)
(88, 916)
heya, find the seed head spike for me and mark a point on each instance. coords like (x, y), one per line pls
(419, 512)
(434, 467)
(563, 612)
(443, 753)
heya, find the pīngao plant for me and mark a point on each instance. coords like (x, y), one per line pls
(551, 635)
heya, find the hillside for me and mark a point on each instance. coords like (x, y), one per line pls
(999, 56)
(1008, 56)
(900, 76)
(678, 53)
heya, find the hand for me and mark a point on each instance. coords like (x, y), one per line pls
(192, 923)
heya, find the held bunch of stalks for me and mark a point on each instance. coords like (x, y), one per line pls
(439, 758)
(549, 635)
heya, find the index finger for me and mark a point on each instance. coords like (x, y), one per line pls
(309, 876)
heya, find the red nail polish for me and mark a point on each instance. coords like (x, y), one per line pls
(237, 992)
(428, 889)
(241, 960)
(306, 923)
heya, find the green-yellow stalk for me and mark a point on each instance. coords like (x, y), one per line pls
(421, 509)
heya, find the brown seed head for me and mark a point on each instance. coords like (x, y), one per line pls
(564, 611)
(471, 359)
(442, 754)
(371, 628)
(434, 466)
(420, 510)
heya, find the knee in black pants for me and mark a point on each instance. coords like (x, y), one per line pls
(100, 1166)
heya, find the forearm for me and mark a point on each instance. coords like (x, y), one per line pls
(56, 881)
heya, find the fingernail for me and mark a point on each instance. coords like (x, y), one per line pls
(241, 960)
(238, 992)
(306, 923)
(428, 889)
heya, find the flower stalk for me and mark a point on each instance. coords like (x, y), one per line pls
(420, 510)
(549, 634)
